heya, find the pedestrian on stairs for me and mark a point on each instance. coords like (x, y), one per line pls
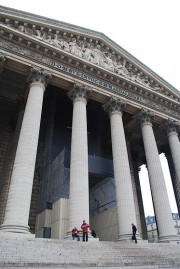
(134, 230)
(75, 233)
(84, 228)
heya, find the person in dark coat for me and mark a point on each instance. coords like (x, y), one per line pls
(134, 230)
(93, 233)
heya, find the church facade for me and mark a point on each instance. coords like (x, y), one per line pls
(79, 115)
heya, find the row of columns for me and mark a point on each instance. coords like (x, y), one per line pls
(19, 198)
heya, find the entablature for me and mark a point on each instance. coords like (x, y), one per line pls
(65, 76)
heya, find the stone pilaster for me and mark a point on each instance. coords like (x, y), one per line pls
(161, 203)
(79, 182)
(124, 192)
(19, 198)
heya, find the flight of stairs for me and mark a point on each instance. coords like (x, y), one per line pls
(22, 252)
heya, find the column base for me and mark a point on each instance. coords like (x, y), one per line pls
(127, 238)
(15, 228)
(168, 239)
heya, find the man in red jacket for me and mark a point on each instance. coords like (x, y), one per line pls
(84, 228)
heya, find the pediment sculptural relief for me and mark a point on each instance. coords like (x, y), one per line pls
(89, 52)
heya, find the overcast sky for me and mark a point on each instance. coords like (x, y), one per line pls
(148, 29)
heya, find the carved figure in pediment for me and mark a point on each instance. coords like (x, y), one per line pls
(21, 28)
(109, 62)
(25, 30)
(137, 78)
(120, 69)
(64, 45)
(74, 48)
(38, 34)
(41, 36)
(87, 52)
(48, 39)
(55, 41)
(98, 56)
(157, 88)
(28, 31)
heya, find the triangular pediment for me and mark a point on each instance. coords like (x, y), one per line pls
(87, 49)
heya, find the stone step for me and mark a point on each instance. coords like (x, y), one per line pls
(21, 252)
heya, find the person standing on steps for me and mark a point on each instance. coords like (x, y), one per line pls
(134, 230)
(84, 228)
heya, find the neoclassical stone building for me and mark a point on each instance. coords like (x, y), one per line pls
(78, 116)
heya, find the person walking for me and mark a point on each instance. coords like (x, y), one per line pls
(134, 230)
(84, 228)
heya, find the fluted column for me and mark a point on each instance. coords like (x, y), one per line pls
(79, 183)
(162, 208)
(175, 181)
(174, 145)
(8, 166)
(134, 169)
(19, 198)
(124, 193)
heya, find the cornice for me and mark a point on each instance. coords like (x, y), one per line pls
(25, 18)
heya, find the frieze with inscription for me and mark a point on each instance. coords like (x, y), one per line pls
(86, 77)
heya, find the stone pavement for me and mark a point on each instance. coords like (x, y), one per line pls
(28, 252)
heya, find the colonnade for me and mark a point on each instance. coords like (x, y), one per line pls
(19, 198)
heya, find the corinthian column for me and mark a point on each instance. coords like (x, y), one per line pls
(79, 183)
(19, 198)
(124, 192)
(162, 208)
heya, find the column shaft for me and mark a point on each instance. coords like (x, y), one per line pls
(175, 151)
(123, 184)
(175, 157)
(159, 192)
(19, 198)
(8, 166)
(79, 183)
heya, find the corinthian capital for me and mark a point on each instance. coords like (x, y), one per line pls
(171, 126)
(145, 116)
(38, 74)
(114, 105)
(80, 91)
(2, 61)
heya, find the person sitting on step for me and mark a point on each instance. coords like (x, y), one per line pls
(75, 233)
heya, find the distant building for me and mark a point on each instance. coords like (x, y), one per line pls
(152, 227)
